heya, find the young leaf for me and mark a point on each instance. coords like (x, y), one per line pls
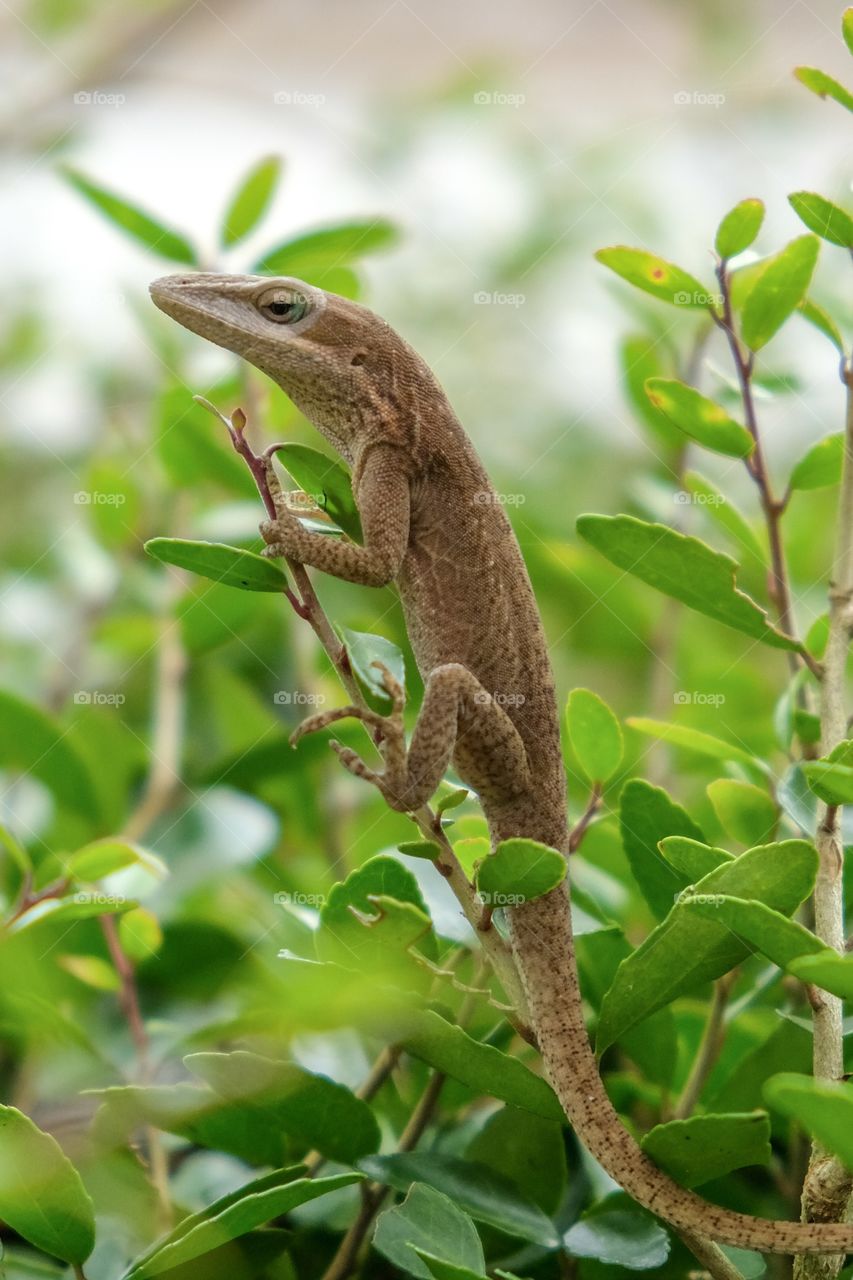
(646, 816)
(475, 1188)
(430, 1221)
(723, 512)
(823, 1107)
(315, 253)
(831, 778)
(820, 318)
(616, 1234)
(452, 799)
(705, 744)
(820, 466)
(823, 217)
(251, 200)
(685, 951)
(33, 742)
(364, 650)
(595, 734)
(691, 858)
(518, 871)
(79, 907)
(700, 418)
(847, 27)
(42, 1197)
(683, 567)
(654, 275)
(778, 291)
(824, 86)
(739, 228)
(326, 480)
(481, 1067)
(230, 1218)
(709, 1146)
(232, 566)
(420, 849)
(104, 857)
(135, 222)
(745, 811)
(318, 1112)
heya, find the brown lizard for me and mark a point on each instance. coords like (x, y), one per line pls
(434, 525)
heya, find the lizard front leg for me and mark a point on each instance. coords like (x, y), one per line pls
(458, 717)
(383, 504)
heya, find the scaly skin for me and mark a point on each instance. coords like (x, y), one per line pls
(434, 525)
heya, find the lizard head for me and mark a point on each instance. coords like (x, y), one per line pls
(327, 353)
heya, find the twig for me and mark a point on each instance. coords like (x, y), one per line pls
(709, 1049)
(827, 1185)
(711, 1256)
(581, 827)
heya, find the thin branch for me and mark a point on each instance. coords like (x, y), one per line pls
(582, 825)
(709, 1049)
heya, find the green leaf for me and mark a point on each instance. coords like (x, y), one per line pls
(847, 27)
(684, 568)
(831, 777)
(595, 734)
(232, 566)
(824, 86)
(783, 941)
(310, 1108)
(94, 971)
(527, 1150)
(364, 650)
(442, 1270)
(701, 419)
(452, 799)
(778, 291)
(640, 359)
(430, 1221)
(313, 255)
(826, 969)
(474, 1188)
(619, 1236)
(68, 910)
(326, 480)
(371, 918)
(132, 220)
(16, 851)
(42, 1196)
(705, 744)
(701, 1148)
(685, 951)
(231, 1217)
(251, 200)
(33, 742)
(646, 816)
(823, 1107)
(188, 444)
(420, 849)
(745, 811)
(481, 1067)
(104, 857)
(723, 512)
(692, 859)
(820, 318)
(140, 934)
(656, 276)
(739, 228)
(823, 217)
(821, 465)
(519, 870)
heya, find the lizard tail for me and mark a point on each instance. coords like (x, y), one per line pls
(541, 935)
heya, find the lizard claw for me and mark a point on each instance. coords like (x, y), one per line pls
(393, 687)
(323, 718)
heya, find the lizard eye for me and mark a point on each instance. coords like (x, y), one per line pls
(282, 306)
